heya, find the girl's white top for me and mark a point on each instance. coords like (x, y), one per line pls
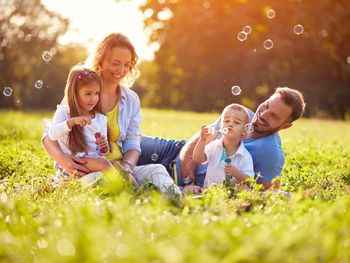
(59, 131)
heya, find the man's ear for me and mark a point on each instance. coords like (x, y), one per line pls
(286, 125)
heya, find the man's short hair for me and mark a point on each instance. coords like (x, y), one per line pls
(238, 107)
(294, 99)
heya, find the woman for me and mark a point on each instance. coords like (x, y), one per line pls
(115, 61)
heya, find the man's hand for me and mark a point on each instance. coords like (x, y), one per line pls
(192, 189)
(73, 165)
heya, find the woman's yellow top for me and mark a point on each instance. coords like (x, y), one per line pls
(113, 134)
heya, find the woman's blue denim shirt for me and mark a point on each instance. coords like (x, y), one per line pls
(129, 120)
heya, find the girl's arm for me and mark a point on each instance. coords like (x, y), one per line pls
(70, 164)
(59, 124)
(97, 164)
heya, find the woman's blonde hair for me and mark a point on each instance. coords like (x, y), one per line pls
(77, 78)
(103, 50)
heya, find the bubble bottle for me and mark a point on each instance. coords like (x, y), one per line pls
(227, 181)
(98, 137)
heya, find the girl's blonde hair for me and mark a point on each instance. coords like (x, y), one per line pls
(103, 50)
(77, 78)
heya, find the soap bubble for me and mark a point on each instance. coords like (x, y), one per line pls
(236, 90)
(154, 157)
(247, 29)
(270, 13)
(7, 91)
(46, 56)
(242, 36)
(348, 60)
(249, 128)
(298, 29)
(211, 130)
(225, 130)
(268, 44)
(28, 37)
(39, 84)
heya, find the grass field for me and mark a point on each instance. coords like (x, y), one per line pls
(113, 222)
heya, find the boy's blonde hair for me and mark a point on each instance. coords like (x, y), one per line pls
(238, 107)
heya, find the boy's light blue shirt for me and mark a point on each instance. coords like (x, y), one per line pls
(267, 154)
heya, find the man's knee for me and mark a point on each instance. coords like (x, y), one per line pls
(159, 150)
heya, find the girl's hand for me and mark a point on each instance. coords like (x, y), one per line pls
(82, 121)
(102, 143)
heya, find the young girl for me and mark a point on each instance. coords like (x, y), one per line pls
(78, 126)
(227, 157)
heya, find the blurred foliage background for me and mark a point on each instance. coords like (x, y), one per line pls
(199, 57)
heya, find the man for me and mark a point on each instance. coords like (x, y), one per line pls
(264, 143)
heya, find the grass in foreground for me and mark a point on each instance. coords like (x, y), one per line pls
(113, 222)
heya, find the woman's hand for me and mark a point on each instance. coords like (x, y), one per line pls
(72, 165)
(127, 171)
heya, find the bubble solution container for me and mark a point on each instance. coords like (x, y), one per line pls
(98, 137)
(227, 181)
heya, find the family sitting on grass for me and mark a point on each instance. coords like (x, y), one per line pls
(97, 128)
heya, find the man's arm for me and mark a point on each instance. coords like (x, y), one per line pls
(188, 166)
(269, 186)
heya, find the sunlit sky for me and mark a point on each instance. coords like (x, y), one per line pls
(92, 20)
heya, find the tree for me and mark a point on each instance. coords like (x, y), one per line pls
(200, 57)
(27, 29)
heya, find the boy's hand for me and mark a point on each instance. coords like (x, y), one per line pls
(82, 121)
(208, 133)
(230, 170)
